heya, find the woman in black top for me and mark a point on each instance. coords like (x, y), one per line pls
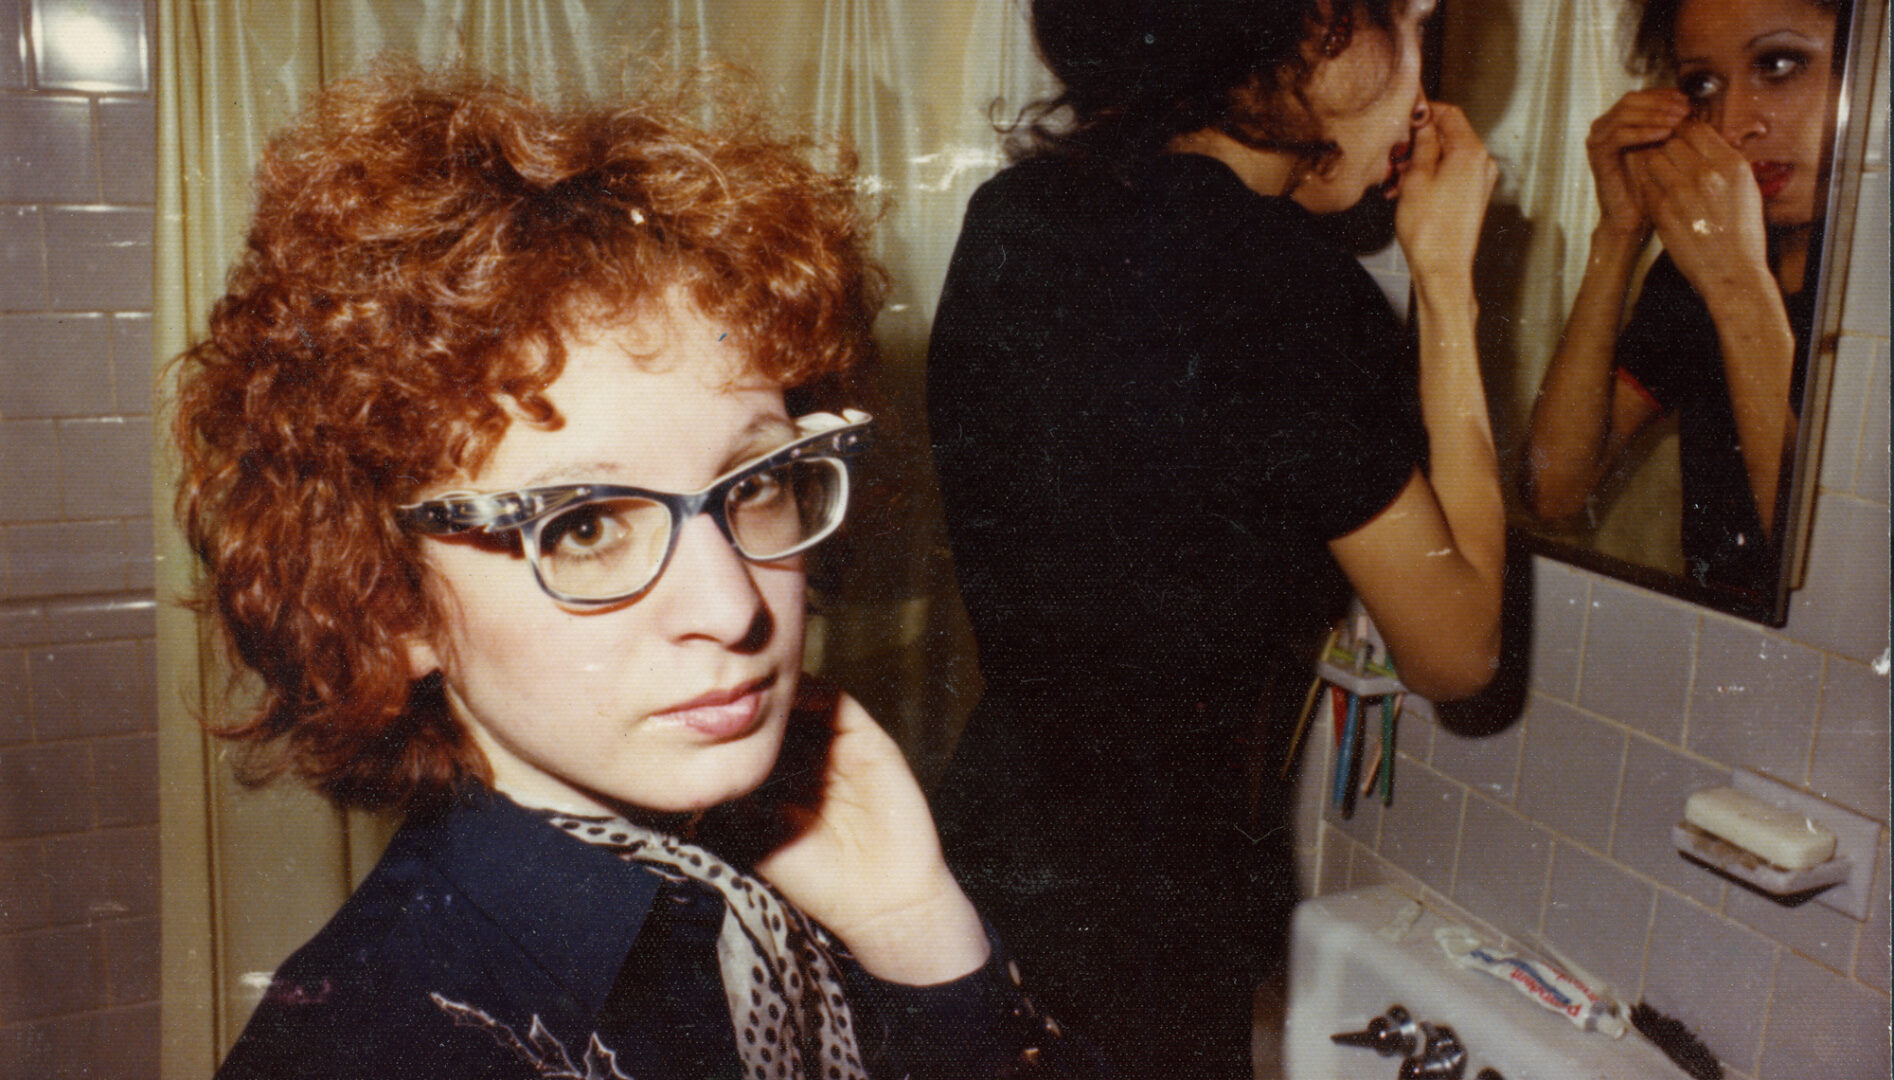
(1726, 168)
(1174, 424)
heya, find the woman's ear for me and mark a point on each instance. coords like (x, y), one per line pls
(423, 660)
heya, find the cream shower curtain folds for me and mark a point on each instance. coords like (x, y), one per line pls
(249, 875)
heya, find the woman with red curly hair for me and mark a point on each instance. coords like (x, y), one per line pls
(501, 462)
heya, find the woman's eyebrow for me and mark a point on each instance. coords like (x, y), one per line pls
(765, 433)
(1763, 41)
(1768, 37)
(570, 473)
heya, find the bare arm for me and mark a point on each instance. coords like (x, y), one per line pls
(1707, 209)
(1582, 419)
(1429, 566)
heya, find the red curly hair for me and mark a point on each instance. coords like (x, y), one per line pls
(422, 240)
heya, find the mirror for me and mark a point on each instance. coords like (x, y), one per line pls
(1533, 75)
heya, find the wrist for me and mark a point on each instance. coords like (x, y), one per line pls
(1443, 293)
(935, 939)
(1742, 291)
(1616, 247)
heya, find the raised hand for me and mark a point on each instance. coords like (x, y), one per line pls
(1443, 194)
(842, 829)
(1701, 196)
(1641, 119)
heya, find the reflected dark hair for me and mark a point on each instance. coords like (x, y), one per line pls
(1134, 74)
(1654, 39)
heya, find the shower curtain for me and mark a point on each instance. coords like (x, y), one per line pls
(248, 875)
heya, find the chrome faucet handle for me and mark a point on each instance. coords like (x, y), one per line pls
(1444, 1057)
(1394, 1034)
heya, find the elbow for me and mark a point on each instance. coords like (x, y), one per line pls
(1456, 672)
(1452, 684)
(1549, 507)
(1552, 496)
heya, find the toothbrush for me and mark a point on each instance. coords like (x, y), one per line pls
(1390, 709)
(1308, 711)
(1344, 760)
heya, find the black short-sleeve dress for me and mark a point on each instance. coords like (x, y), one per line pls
(1153, 400)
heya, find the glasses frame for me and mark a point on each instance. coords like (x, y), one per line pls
(826, 437)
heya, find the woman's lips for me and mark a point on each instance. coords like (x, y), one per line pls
(1772, 176)
(721, 714)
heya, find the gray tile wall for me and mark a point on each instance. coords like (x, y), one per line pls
(1556, 832)
(79, 930)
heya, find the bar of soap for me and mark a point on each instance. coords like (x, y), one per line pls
(1781, 837)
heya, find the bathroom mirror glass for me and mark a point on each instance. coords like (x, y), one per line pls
(1533, 75)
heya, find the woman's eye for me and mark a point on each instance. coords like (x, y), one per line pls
(1699, 86)
(579, 531)
(1775, 66)
(757, 489)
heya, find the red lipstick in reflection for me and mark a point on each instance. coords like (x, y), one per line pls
(1772, 176)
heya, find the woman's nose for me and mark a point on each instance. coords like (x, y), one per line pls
(1423, 112)
(1738, 115)
(709, 591)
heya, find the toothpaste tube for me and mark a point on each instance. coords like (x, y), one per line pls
(1552, 988)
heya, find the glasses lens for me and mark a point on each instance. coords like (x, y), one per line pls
(776, 512)
(604, 549)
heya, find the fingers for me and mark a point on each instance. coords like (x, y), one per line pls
(1639, 118)
(1449, 139)
(1639, 168)
(1697, 165)
(1424, 156)
(1707, 144)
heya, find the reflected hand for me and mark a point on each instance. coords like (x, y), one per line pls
(1702, 198)
(1443, 194)
(1640, 119)
(842, 829)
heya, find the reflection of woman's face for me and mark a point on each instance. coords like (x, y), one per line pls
(1759, 72)
(1366, 99)
(676, 700)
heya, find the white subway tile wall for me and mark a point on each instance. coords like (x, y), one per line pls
(1636, 700)
(79, 928)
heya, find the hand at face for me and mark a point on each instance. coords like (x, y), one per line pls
(1640, 119)
(1443, 194)
(842, 829)
(1701, 196)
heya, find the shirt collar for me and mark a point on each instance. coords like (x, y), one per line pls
(573, 908)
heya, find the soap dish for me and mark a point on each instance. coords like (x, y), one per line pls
(1720, 854)
(1843, 881)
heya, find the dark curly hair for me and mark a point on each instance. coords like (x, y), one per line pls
(1654, 37)
(422, 240)
(1135, 74)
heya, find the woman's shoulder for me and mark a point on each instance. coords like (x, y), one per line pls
(447, 934)
(1046, 190)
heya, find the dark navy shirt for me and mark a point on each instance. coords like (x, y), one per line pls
(488, 943)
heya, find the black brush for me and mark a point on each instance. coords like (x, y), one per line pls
(1677, 1042)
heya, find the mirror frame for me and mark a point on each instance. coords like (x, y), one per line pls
(1859, 42)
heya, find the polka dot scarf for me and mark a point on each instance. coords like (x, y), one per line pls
(786, 999)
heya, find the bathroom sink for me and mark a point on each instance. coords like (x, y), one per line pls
(1344, 971)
